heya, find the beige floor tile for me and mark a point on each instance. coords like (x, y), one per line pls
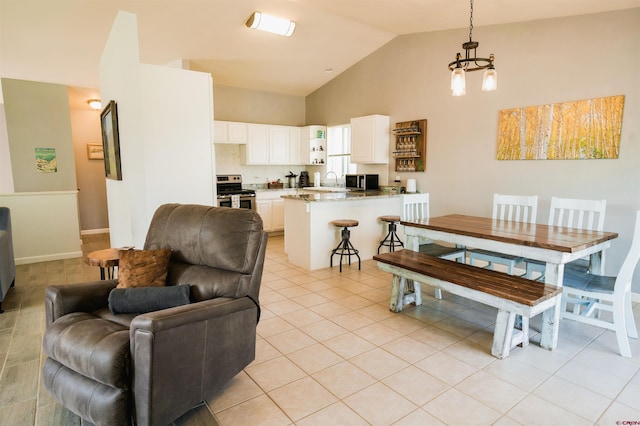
(343, 379)
(573, 398)
(403, 324)
(284, 306)
(355, 302)
(315, 358)
(378, 334)
(519, 374)
(352, 321)
(491, 391)
(457, 326)
(597, 381)
(618, 414)
(264, 352)
(416, 385)
(389, 406)
(257, 411)
(435, 337)
(302, 398)
(445, 367)
(630, 395)
(349, 345)
(290, 341)
(24, 348)
(240, 389)
(301, 318)
(271, 326)
(418, 417)
(330, 309)
(409, 349)
(456, 408)
(274, 373)
(536, 411)
(323, 330)
(335, 414)
(379, 363)
(311, 299)
(471, 353)
(377, 312)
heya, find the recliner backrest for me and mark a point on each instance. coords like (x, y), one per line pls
(219, 251)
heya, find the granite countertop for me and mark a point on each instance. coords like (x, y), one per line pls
(310, 195)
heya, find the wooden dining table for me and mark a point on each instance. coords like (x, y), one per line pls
(554, 245)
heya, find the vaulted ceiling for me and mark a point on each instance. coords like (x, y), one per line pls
(61, 41)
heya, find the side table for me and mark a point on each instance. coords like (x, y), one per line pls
(105, 259)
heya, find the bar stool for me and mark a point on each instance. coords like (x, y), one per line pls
(391, 240)
(345, 248)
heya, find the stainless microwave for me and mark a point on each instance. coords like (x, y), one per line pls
(362, 182)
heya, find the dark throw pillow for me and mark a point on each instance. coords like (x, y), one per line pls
(147, 299)
(143, 268)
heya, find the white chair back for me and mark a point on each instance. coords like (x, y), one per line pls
(575, 213)
(415, 206)
(516, 208)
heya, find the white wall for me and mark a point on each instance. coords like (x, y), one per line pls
(538, 62)
(6, 175)
(165, 119)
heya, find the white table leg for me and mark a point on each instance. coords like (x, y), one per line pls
(551, 317)
(503, 333)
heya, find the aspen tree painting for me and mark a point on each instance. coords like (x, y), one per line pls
(586, 129)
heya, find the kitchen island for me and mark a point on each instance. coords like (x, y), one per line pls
(309, 237)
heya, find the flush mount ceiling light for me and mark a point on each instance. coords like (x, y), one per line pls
(272, 24)
(472, 63)
(95, 104)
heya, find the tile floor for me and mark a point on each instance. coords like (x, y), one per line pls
(329, 352)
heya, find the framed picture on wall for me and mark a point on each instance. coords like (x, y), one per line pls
(111, 141)
(95, 151)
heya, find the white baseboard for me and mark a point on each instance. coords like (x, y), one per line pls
(48, 257)
(94, 231)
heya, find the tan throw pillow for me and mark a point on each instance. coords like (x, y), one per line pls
(143, 268)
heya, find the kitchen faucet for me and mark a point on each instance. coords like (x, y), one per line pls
(335, 174)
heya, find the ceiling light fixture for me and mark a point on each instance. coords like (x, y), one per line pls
(472, 63)
(95, 104)
(272, 24)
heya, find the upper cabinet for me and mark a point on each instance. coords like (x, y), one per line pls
(229, 132)
(370, 139)
(270, 145)
(313, 145)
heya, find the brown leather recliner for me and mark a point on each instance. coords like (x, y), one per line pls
(151, 368)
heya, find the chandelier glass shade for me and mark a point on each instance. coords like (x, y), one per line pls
(471, 62)
(272, 24)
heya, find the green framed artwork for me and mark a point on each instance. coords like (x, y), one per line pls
(46, 160)
(586, 129)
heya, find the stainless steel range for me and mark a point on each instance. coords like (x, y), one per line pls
(231, 194)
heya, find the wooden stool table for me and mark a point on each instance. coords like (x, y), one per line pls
(105, 259)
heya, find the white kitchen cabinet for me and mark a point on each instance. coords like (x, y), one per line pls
(295, 147)
(229, 132)
(370, 139)
(279, 144)
(314, 145)
(272, 145)
(257, 150)
(270, 207)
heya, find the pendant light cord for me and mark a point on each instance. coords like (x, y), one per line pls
(471, 22)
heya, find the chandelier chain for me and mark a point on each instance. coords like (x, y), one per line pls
(471, 22)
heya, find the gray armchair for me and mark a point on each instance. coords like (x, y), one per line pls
(7, 262)
(151, 368)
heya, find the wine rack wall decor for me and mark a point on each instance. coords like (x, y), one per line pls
(410, 152)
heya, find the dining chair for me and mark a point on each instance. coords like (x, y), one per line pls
(416, 207)
(508, 208)
(591, 294)
(572, 213)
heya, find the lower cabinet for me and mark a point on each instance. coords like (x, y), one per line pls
(270, 207)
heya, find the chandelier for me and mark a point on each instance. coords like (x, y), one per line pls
(471, 62)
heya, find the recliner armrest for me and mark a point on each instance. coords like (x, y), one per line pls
(60, 300)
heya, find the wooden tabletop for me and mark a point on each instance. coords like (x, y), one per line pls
(569, 240)
(107, 258)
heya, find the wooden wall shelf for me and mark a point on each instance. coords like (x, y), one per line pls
(410, 151)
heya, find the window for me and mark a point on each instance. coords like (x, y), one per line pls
(339, 150)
